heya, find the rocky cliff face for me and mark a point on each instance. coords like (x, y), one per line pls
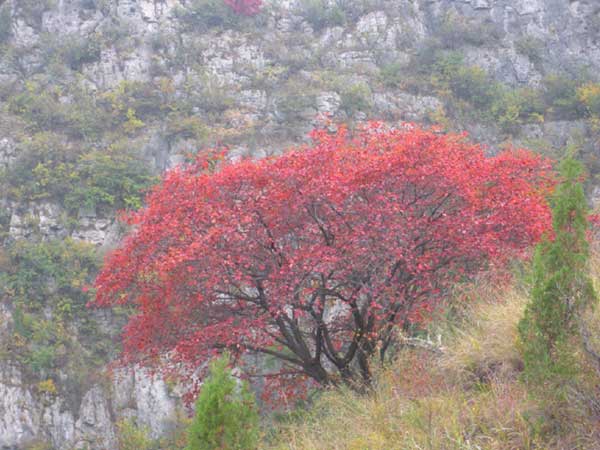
(100, 95)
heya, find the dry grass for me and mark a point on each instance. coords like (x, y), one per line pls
(471, 397)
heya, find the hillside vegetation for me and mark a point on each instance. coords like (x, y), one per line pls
(462, 389)
(98, 98)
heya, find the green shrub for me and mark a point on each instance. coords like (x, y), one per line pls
(39, 105)
(321, 14)
(226, 413)
(589, 97)
(530, 47)
(132, 436)
(356, 97)
(113, 178)
(213, 98)
(457, 30)
(43, 168)
(295, 103)
(186, 127)
(392, 74)
(561, 289)
(469, 83)
(52, 328)
(511, 108)
(84, 117)
(39, 445)
(79, 50)
(145, 99)
(560, 96)
(108, 179)
(206, 14)
(22, 321)
(41, 359)
(41, 274)
(473, 85)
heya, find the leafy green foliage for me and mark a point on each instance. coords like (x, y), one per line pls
(226, 413)
(356, 97)
(512, 108)
(589, 96)
(41, 358)
(561, 286)
(202, 15)
(111, 178)
(530, 47)
(456, 31)
(321, 14)
(560, 95)
(132, 436)
(391, 74)
(38, 105)
(42, 168)
(80, 50)
(41, 106)
(45, 273)
(469, 83)
(52, 329)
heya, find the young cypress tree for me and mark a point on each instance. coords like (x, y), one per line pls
(226, 413)
(561, 285)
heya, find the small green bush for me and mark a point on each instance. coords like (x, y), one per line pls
(80, 50)
(39, 105)
(41, 359)
(133, 437)
(22, 322)
(560, 96)
(589, 96)
(42, 169)
(392, 74)
(469, 83)
(512, 108)
(186, 127)
(226, 413)
(108, 179)
(206, 14)
(145, 99)
(321, 14)
(293, 104)
(456, 31)
(530, 47)
(356, 97)
(45, 283)
(43, 273)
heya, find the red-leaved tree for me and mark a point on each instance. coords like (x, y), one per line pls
(244, 7)
(316, 256)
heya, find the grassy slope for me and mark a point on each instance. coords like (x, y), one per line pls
(468, 397)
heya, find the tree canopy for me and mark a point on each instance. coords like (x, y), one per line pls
(316, 256)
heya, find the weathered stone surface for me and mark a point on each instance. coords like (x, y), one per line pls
(26, 416)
